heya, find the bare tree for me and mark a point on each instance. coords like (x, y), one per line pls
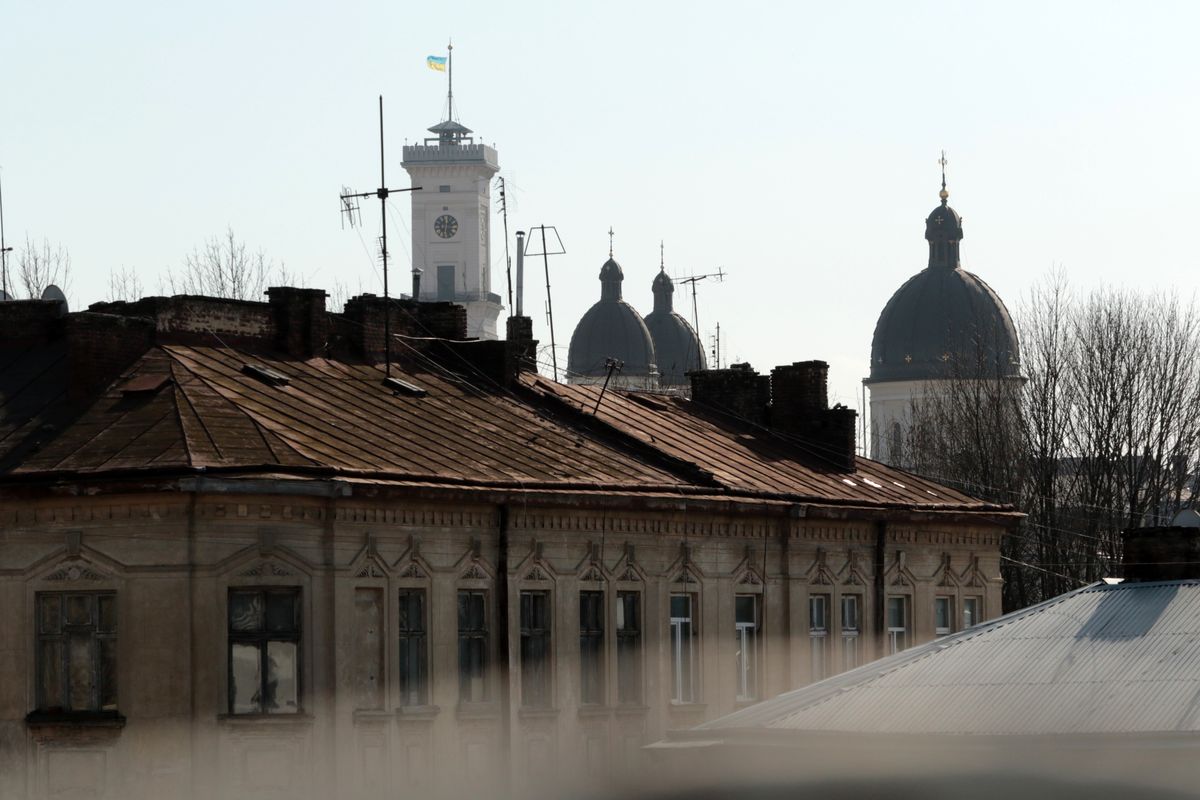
(40, 264)
(1103, 435)
(124, 284)
(225, 267)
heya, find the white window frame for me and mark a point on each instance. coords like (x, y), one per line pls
(683, 647)
(976, 613)
(746, 656)
(851, 633)
(898, 636)
(947, 602)
(818, 636)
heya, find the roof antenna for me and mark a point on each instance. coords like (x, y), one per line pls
(349, 208)
(507, 257)
(718, 276)
(545, 254)
(612, 365)
(943, 193)
(4, 251)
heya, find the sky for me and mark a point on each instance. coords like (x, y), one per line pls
(792, 145)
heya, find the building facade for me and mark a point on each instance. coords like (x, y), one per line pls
(235, 561)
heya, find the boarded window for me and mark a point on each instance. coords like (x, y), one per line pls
(77, 651)
(368, 648)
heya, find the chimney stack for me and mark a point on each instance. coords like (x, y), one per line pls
(301, 324)
(1166, 553)
(738, 390)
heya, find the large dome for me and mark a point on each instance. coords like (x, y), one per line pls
(611, 329)
(677, 348)
(944, 321)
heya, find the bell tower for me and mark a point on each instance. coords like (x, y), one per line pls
(451, 234)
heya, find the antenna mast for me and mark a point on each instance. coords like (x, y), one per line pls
(507, 258)
(349, 208)
(4, 251)
(545, 254)
(719, 276)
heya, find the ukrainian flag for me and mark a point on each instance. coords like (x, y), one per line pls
(436, 62)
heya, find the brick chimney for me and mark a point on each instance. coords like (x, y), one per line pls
(300, 320)
(29, 323)
(1167, 553)
(364, 328)
(800, 407)
(100, 347)
(522, 347)
(739, 390)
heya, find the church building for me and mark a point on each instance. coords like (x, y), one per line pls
(944, 324)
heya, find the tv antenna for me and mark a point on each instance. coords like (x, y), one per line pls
(4, 251)
(716, 348)
(718, 276)
(350, 211)
(507, 258)
(545, 254)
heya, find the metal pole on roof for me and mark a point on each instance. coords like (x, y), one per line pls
(4, 251)
(349, 209)
(549, 305)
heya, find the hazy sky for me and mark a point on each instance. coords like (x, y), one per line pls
(792, 144)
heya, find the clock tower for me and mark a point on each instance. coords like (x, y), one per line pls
(451, 217)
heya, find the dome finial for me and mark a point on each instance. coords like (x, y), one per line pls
(610, 235)
(662, 261)
(943, 193)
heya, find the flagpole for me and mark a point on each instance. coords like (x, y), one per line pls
(450, 78)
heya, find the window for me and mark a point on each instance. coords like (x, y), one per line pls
(535, 649)
(445, 282)
(629, 647)
(77, 651)
(941, 616)
(445, 187)
(818, 634)
(970, 612)
(591, 647)
(414, 653)
(472, 646)
(367, 656)
(264, 651)
(851, 627)
(746, 642)
(897, 620)
(683, 653)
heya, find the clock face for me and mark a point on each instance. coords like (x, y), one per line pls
(445, 226)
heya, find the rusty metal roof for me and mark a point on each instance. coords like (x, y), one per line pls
(198, 408)
(1104, 659)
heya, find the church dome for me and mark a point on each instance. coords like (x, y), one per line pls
(677, 348)
(944, 321)
(611, 328)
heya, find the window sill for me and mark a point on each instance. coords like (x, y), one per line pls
(300, 720)
(537, 713)
(480, 711)
(74, 727)
(594, 710)
(682, 709)
(417, 713)
(368, 715)
(631, 710)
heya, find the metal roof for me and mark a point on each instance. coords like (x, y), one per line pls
(1105, 659)
(199, 409)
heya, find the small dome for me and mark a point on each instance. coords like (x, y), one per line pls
(611, 328)
(677, 348)
(938, 318)
(944, 321)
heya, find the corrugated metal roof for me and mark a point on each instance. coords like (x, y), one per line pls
(338, 416)
(1120, 658)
